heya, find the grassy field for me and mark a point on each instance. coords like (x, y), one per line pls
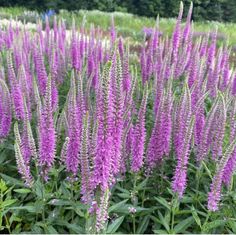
(127, 25)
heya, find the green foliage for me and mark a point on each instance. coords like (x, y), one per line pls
(139, 204)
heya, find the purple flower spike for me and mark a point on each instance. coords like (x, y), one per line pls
(139, 135)
(214, 195)
(102, 160)
(47, 135)
(5, 110)
(180, 176)
(72, 159)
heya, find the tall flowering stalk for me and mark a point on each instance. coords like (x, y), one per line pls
(212, 49)
(182, 116)
(22, 165)
(102, 213)
(203, 147)
(184, 128)
(47, 134)
(139, 135)
(16, 92)
(229, 169)
(231, 164)
(5, 110)
(218, 129)
(25, 87)
(187, 27)
(84, 161)
(118, 105)
(102, 160)
(54, 75)
(72, 156)
(180, 176)
(28, 143)
(40, 69)
(214, 195)
(159, 144)
(126, 74)
(176, 38)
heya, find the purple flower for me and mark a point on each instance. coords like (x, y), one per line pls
(40, 69)
(214, 195)
(85, 165)
(205, 142)
(16, 92)
(117, 116)
(5, 110)
(139, 135)
(102, 160)
(180, 176)
(47, 135)
(176, 36)
(159, 144)
(182, 116)
(229, 169)
(72, 156)
(22, 165)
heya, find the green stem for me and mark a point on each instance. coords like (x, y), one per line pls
(198, 176)
(72, 194)
(134, 226)
(7, 224)
(43, 215)
(134, 191)
(172, 220)
(162, 172)
(143, 197)
(173, 214)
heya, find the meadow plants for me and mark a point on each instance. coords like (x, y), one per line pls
(105, 145)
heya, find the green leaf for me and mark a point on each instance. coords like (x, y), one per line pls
(159, 231)
(112, 228)
(1, 220)
(187, 199)
(76, 228)
(143, 225)
(163, 222)
(196, 217)
(37, 229)
(183, 225)
(117, 206)
(59, 202)
(124, 195)
(3, 186)
(122, 189)
(163, 202)
(140, 209)
(232, 225)
(7, 203)
(142, 185)
(30, 209)
(39, 189)
(64, 190)
(214, 224)
(207, 170)
(11, 180)
(14, 218)
(22, 190)
(51, 230)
